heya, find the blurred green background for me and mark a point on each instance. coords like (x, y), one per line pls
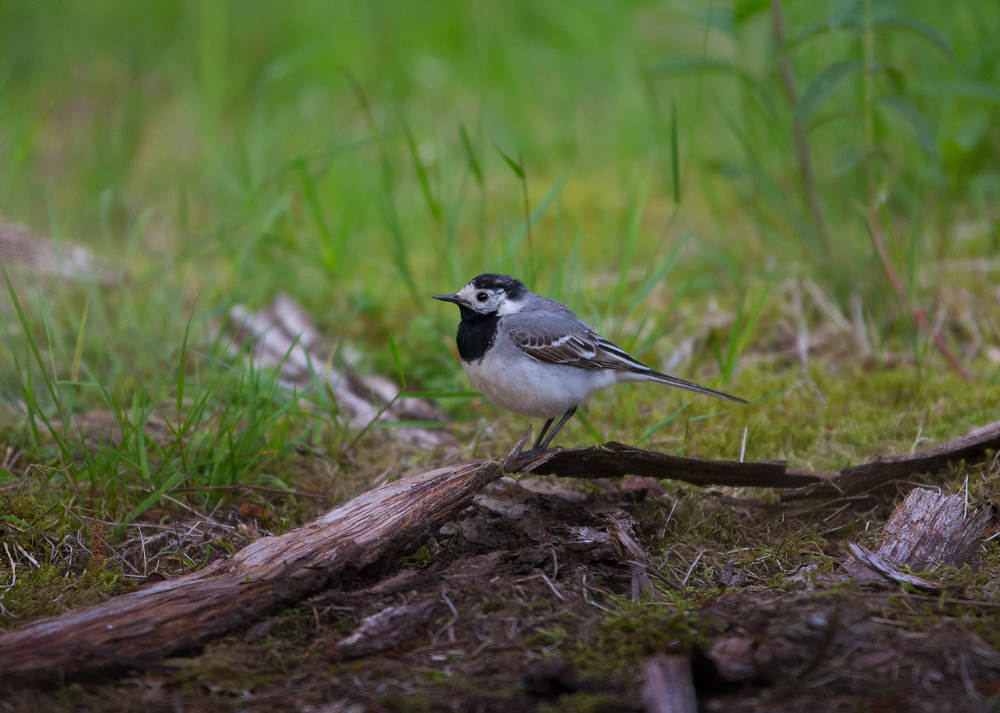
(352, 155)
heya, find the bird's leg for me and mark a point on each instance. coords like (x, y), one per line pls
(541, 434)
(562, 422)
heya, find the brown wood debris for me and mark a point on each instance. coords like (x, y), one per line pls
(21, 247)
(616, 460)
(927, 530)
(364, 535)
(669, 687)
(283, 337)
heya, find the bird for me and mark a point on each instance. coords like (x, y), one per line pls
(531, 355)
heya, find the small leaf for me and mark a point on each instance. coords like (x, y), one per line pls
(916, 120)
(6, 476)
(719, 18)
(746, 9)
(16, 520)
(848, 159)
(679, 65)
(820, 89)
(399, 364)
(477, 170)
(514, 166)
(839, 10)
(808, 32)
(919, 28)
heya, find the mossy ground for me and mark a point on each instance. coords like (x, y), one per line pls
(346, 154)
(509, 618)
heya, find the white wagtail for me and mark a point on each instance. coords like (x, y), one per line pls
(531, 355)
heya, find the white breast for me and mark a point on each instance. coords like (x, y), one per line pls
(518, 383)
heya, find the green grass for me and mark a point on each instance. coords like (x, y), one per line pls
(637, 161)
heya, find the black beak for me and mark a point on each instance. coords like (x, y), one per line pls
(449, 298)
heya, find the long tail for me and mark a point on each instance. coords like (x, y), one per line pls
(681, 384)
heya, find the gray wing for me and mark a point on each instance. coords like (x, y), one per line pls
(563, 339)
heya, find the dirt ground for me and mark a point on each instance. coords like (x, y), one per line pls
(529, 601)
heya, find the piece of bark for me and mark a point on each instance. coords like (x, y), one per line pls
(20, 246)
(881, 471)
(887, 570)
(615, 460)
(668, 686)
(930, 529)
(385, 630)
(926, 531)
(284, 337)
(365, 534)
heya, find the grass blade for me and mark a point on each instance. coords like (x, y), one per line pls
(470, 154)
(74, 374)
(675, 160)
(425, 184)
(399, 364)
(514, 166)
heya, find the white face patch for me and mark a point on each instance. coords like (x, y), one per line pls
(495, 300)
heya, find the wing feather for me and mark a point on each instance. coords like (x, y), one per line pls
(571, 345)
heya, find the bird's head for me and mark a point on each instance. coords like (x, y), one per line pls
(488, 294)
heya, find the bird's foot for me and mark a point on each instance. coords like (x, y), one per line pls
(539, 451)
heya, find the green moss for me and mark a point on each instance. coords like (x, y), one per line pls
(50, 590)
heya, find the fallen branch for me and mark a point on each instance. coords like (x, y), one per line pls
(284, 337)
(881, 471)
(616, 460)
(366, 534)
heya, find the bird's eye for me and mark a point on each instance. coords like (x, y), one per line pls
(482, 297)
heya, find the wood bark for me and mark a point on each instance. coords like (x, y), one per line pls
(369, 532)
(669, 687)
(926, 531)
(615, 460)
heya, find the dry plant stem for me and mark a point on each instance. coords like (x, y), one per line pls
(802, 153)
(367, 533)
(916, 311)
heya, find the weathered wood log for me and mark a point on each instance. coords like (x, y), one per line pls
(669, 687)
(881, 471)
(371, 531)
(926, 531)
(615, 460)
